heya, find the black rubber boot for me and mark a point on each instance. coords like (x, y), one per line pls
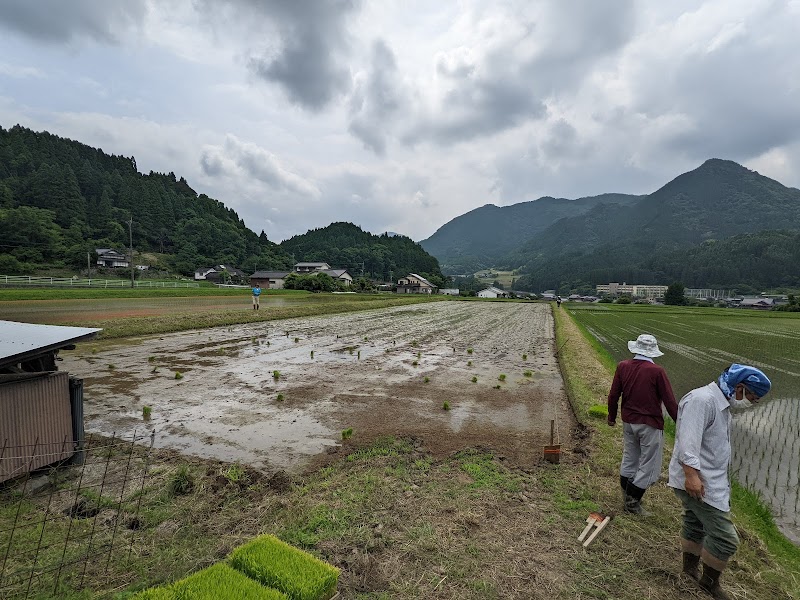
(691, 565)
(710, 583)
(633, 501)
(623, 482)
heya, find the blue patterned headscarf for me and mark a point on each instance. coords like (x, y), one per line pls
(755, 380)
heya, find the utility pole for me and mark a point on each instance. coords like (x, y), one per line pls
(130, 233)
(362, 268)
(88, 266)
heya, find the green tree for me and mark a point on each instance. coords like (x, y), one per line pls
(674, 295)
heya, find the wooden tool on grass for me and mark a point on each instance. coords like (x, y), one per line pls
(595, 521)
(552, 453)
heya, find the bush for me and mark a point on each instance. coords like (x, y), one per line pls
(278, 565)
(623, 300)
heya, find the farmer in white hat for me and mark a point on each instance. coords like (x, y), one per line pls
(644, 388)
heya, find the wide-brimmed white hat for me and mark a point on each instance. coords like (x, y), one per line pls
(646, 345)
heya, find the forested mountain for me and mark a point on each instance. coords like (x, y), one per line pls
(484, 237)
(347, 246)
(656, 240)
(60, 199)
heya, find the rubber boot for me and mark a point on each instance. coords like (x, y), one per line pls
(623, 482)
(691, 565)
(633, 501)
(710, 583)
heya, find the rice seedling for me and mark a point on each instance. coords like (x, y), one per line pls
(366, 339)
(297, 339)
(151, 358)
(524, 357)
(469, 350)
(275, 564)
(414, 364)
(111, 367)
(146, 412)
(419, 354)
(94, 350)
(276, 375)
(347, 433)
(427, 379)
(312, 354)
(178, 375)
(599, 410)
(446, 405)
(279, 398)
(351, 351)
(155, 370)
(502, 377)
(527, 374)
(359, 355)
(474, 380)
(415, 344)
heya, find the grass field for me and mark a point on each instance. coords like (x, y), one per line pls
(504, 277)
(698, 344)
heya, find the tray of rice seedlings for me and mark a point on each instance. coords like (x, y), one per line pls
(219, 582)
(278, 565)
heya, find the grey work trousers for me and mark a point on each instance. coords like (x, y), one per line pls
(641, 454)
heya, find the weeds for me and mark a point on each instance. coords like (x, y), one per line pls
(235, 473)
(181, 482)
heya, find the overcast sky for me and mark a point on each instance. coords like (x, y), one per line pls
(403, 115)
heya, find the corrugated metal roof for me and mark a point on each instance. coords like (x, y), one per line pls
(19, 341)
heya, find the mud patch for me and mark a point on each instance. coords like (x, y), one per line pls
(253, 394)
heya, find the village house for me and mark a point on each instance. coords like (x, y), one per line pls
(108, 257)
(269, 280)
(414, 284)
(449, 291)
(310, 267)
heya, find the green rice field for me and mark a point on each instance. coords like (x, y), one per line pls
(698, 344)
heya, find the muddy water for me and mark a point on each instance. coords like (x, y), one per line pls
(254, 393)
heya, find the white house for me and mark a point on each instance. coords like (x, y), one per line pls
(492, 292)
(449, 291)
(339, 275)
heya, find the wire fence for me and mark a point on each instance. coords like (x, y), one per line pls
(60, 526)
(76, 282)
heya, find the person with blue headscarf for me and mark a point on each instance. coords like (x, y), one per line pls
(698, 471)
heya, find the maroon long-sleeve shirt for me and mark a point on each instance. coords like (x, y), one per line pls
(644, 387)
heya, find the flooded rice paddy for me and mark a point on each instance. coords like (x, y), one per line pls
(697, 346)
(279, 394)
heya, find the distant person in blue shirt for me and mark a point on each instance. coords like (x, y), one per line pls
(256, 294)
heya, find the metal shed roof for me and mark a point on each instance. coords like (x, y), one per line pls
(19, 341)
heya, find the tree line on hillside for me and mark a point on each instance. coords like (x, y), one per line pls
(381, 257)
(60, 199)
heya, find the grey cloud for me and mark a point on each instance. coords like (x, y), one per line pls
(309, 62)
(62, 21)
(376, 99)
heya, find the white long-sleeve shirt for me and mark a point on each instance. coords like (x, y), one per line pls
(703, 442)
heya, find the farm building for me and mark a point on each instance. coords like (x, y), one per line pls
(272, 280)
(41, 408)
(758, 303)
(492, 292)
(449, 291)
(340, 275)
(215, 273)
(415, 284)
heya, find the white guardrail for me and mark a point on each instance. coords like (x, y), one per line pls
(24, 281)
